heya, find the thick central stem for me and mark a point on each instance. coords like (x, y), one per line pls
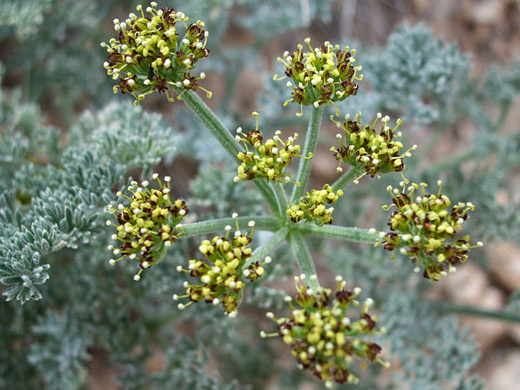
(340, 233)
(217, 225)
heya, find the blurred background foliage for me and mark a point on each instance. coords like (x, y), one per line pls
(67, 143)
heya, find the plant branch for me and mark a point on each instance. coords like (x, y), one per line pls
(263, 250)
(304, 259)
(211, 121)
(339, 233)
(311, 139)
(223, 136)
(280, 197)
(217, 225)
(477, 312)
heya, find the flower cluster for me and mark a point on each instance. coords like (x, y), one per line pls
(148, 56)
(223, 273)
(322, 75)
(366, 149)
(266, 159)
(148, 225)
(323, 338)
(312, 206)
(424, 229)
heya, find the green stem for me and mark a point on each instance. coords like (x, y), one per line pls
(217, 225)
(263, 250)
(340, 233)
(281, 198)
(223, 136)
(211, 121)
(346, 179)
(304, 259)
(473, 311)
(311, 139)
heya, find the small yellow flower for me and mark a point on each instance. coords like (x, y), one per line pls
(223, 273)
(424, 229)
(148, 225)
(148, 54)
(368, 150)
(323, 337)
(312, 206)
(265, 159)
(322, 75)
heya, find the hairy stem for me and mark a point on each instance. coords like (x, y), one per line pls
(263, 250)
(340, 233)
(223, 136)
(281, 198)
(311, 139)
(211, 121)
(217, 225)
(477, 312)
(304, 259)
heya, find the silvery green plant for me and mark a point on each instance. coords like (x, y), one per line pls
(258, 215)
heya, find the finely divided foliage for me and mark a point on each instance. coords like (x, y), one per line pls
(103, 253)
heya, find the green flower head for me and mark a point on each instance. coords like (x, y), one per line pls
(312, 206)
(265, 159)
(424, 228)
(148, 225)
(324, 337)
(322, 75)
(148, 54)
(223, 272)
(369, 150)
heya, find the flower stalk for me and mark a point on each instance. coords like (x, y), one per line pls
(304, 259)
(340, 233)
(281, 198)
(216, 225)
(311, 139)
(267, 247)
(477, 312)
(223, 136)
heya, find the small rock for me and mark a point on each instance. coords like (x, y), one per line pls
(489, 12)
(470, 286)
(506, 374)
(504, 262)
